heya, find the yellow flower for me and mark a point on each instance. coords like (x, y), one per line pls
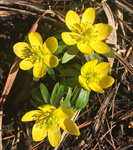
(37, 54)
(94, 76)
(86, 35)
(48, 123)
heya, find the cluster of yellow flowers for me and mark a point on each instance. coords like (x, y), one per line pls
(93, 76)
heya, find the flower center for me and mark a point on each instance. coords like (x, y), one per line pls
(84, 32)
(34, 53)
(92, 77)
(47, 119)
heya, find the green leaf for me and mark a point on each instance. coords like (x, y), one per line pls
(66, 103)
(73, 109)
(72, 82)
(36, 79)
(69, 72)
(111, 45)
(37, 96)
(82, 99)
(34, 103)
(57, 94)
(58, 36)
(76, 66)
(110, 54)
(75, 95)
(61, 47)
(51, 72)
(70, 53)
(93, 56)
(27, 39)
(59, 67)
(56, 87)
(45, 93)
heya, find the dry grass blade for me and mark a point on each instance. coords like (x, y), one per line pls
(124, 62)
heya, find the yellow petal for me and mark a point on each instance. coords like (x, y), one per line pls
(31, 115)
(83, 83)
(106, 81)
(72, 19)
(47, 107)
(63, 113)
(26, 65)
(100, 47)
(103, 68)
(39, 69)
(19, 48)
(88, 16)
(39, 132)
(54, 136)
(95, 87)
(51, 43)
(70, 127)
(69, 38)
(51, 61)
(88, 65)
(84, 48)
(35, 39)
(104, 30)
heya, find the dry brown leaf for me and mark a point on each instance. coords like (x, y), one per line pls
(112, 39)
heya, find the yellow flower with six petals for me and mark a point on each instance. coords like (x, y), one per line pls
(37, 54)
(86, 35)
(95, 76)
(48, 123)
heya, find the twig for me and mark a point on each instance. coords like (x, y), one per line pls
(89, 122)
(107, 123)
(97, 123)
(129, 51)
(108, 141)
(18, 10)
(129, 28)
(34, 6)
(36, 146)
(131, 145)
(123, 6)
(90, 142)
(127, 3)
(125, 38)
(85, 112)
(107, 132)
(124, 62)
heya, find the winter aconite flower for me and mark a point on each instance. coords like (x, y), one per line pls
(86, 35)
(95, 76)
(37, 54)
(48, 123)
